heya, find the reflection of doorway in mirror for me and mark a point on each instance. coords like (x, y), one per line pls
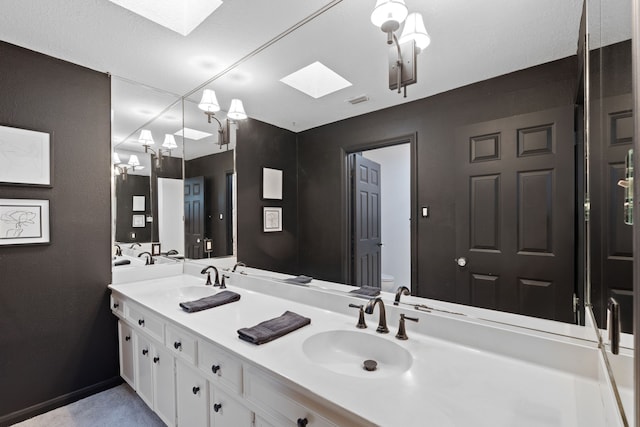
(171, 214)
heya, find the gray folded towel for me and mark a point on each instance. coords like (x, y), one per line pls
(298, 280)
(221, 298)
(275, 328)
(121, 262)
(366, 291)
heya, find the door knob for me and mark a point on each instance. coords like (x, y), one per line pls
(462, 261)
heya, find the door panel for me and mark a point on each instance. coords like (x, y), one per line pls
(515, 212)
(366, 191)
(194, 216)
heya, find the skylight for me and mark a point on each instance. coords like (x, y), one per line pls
(193, 134)
(179, 16)
(316, 80)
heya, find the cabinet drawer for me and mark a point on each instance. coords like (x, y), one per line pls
(144, 321)
(273, 396)
(117, 305)
(182, 343)
(220, 367)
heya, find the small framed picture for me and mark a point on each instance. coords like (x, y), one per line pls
(138, 221)
(24, 221)
(138, 203)
(155, 249)
(272, 218)
(271, 184)
(25, 157)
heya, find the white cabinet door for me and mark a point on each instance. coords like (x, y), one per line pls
(125, 336)
(226, 411)
(144, 380)
(164, 385)
(192, 397)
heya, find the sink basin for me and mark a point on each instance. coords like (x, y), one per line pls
(189, 293)
(344, 352)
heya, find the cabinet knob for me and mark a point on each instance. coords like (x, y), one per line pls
(215, 368)
(145, 351)
(195, 390)
(217, 407)
(302, 422)
(140, 322)
(156, 359)
(127, 338)
(116, 305)
(177, 345)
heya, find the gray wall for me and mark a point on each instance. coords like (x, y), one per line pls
(57, 334)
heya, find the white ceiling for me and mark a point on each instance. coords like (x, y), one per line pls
(247, 46)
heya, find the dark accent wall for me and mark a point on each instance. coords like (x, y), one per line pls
(57, 334)
(214, 168)
(321, 150)
(134, 185)
(263, 145)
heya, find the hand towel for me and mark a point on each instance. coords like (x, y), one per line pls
(366, 291)
(298, 280)
(274, 328)
(221, 298)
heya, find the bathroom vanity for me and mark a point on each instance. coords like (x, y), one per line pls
(455, 369)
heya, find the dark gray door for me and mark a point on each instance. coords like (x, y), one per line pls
(366, 222)
(515, 213)
(194, 216)
(611, 239)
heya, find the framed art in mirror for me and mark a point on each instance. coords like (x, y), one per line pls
(271, 184)
(24, 221)
(25, 157)
(272, 218)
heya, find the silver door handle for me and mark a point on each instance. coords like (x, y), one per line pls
(462, 261)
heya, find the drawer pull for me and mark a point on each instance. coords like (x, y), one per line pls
(127, 338)
(141, 322)
(116, 305)
(302, 422)
(177, 345)
(145, 351)
(217, 407)
(215, 368)
(156, 359)
(195, 390)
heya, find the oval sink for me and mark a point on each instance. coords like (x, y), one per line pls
(189, 293)
(344, 352)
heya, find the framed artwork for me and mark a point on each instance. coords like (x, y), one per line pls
(138, 203)
(138, 221)
(271, 184)
(24, 221)
(155, 249)
(272, 218)
(25, 157)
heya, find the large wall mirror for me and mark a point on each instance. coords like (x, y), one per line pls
(483, 163)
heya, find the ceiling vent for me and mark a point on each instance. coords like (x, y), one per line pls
(358, 99)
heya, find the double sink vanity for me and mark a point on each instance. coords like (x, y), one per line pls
(458, 367)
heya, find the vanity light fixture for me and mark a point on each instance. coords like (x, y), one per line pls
(146, 139)
(123, 169)
(388, 15)
(209, 104)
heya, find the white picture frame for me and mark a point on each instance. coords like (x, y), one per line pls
(272, 219)
(24, 222)
(271, 184)
(138, 221)
(138, 204)
(25, 157)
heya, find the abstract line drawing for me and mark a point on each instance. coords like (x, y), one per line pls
(272, 219)
(24, 221)
(24, 156)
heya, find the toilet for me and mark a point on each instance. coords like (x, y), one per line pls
(388, 283)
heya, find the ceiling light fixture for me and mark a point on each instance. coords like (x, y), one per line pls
(123, 168)
(146, 139)
(388, 15)
(209, 104)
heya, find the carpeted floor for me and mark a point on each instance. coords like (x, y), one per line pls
(119, 407)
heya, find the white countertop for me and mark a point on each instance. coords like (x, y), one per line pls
(482, 376)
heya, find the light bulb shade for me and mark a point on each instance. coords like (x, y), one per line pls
(236, 110)
(209, 102)
(133, 161)
(414, 29)
(169, 142)
(389, 10)
(145, 137)
(116, 159)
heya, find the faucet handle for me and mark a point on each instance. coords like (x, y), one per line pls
(223, 284)
(402, 332)
(361, 323)
(208, 283)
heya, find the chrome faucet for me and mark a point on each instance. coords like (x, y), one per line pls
(118, 250)
(382, 324)
(402, 290)
(150, 260)
(208, 273)
(238, 264)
